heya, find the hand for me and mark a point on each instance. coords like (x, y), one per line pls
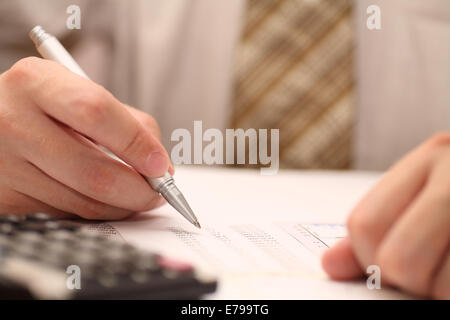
(51, 121)
(403, 225)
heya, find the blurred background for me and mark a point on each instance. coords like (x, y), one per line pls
(343, 96)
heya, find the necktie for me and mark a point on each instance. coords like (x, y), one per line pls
(294, 71)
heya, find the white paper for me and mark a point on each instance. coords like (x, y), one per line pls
(277, 259)
(251, 260)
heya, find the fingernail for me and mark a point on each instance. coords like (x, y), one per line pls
(156, 165)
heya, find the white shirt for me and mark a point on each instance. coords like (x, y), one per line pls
(403, 78)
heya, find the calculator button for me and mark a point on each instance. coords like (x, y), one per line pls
(121, 267)
(28, 236)
(113, 254)
(4, 241)
(139, 276)
(170, 274)
(59, 235)
(87, 245)
(146, 262)
(107, 280)
(56, 247)
(54, 259)
(83, 258)
(11, 218)
(26, 249)
(40, 216)
(6, 228)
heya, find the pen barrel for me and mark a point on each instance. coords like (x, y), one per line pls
(50, 48)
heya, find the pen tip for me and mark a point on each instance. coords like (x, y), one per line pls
(197, 224)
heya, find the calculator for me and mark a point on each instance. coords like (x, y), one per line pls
(45, 258)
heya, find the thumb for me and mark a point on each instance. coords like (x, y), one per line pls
(340, 262)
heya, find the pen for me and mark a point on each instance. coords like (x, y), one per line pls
(50, 48)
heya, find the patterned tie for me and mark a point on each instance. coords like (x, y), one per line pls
(294, 71)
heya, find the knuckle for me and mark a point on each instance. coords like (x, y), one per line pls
(11, 121)
(439, 139)
(21, 71)
(135, 143)
(390, 263)
(92, 105)
(99, 181)
(152, 125)
(149, 122)
(401, 269)
(7, 122)
(359, 224)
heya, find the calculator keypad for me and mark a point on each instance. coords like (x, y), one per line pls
(108, 268)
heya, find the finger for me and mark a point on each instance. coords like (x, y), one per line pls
(79, 164)
(441, 285)
(151, 125)
(21, 204)
(146, 120)
(340, 262)
(417, 243)
(90, 109)
(59, 196)
(377, 211)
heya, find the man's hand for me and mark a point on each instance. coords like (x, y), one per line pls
(403, 225)
(51, 123)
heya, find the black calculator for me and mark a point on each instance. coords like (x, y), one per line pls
(45, 258)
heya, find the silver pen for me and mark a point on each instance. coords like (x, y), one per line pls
(50, 48)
